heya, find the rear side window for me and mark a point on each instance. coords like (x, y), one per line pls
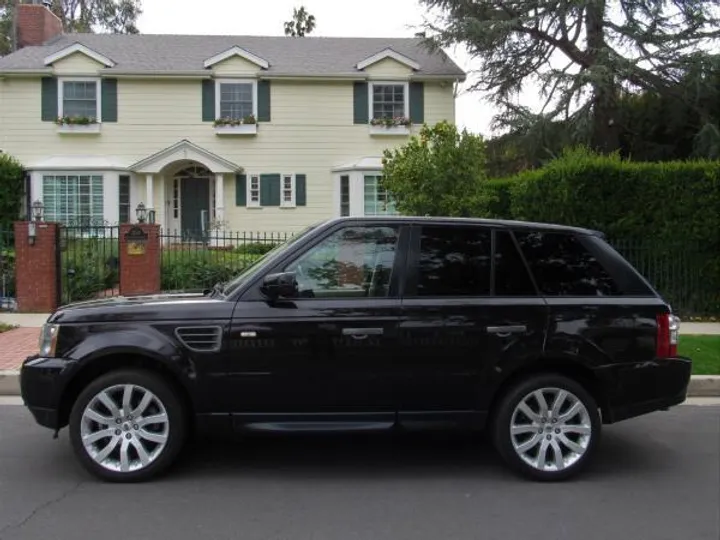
(511, 275)
(454, 261)
(562, 266)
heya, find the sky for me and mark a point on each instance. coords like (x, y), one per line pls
(342, 18)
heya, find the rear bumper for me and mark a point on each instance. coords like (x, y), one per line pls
(42, 383)
(641, 388)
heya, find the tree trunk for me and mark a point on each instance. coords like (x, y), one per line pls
(605, 133)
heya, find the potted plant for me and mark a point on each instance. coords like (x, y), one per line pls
(83, 124)
(244, 125)
(391, 125)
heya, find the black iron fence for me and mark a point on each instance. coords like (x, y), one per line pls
(196, 261)
(88, 262)
(7, 270)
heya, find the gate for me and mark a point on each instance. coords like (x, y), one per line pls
(88, 262)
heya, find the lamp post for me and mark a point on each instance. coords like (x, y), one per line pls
(141, 213)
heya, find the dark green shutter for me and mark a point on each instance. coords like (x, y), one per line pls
(263, 90)
(208, 100)
(300, 190)
(360, 103)
(109, 100)
(417, 102)
(269, 190)
(240, 190)
(49, 99)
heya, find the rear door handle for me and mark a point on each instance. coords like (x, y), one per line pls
(362, 333)
(504, 331)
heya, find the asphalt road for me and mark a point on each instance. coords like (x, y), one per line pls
(655, 478)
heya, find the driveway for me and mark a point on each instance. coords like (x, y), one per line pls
(656, 478)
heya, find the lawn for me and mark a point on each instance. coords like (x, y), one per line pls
(704, 351)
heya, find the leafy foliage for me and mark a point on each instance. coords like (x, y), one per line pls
(584, 54)
(200, 269)
(88, 267)
(301, 24)
(439, 172)
(11, 191)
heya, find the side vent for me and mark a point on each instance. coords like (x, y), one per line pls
(200, 338)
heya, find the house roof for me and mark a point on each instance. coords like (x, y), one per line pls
(306, 56)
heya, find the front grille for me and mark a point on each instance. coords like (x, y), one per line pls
(200, 338)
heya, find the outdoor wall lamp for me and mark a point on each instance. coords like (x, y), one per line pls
(37, 215)
(141, 213)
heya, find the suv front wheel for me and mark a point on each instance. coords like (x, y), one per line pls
(127, 426)
(547, 427)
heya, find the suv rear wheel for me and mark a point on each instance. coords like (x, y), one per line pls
(127, 426)
(547, 427)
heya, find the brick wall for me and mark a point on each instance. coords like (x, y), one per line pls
(140, 274)
(36, 268)
(36, 24)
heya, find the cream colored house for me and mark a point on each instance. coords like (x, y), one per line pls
(247, 133)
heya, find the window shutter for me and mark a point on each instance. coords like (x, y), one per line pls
(109, 100)
(263, 90)
(208, 100)
(269, 190)
(417, 102)
(241, 190)
(49, 99)
(300, 190)
(360, 103)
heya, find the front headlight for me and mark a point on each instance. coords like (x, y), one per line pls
(48, 339)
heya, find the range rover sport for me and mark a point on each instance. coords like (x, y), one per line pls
(538, 333)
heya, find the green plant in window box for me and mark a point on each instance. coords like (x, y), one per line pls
(75, 120)
(228, 122)
(391, 121)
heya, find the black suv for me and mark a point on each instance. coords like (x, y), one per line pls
(540, 333)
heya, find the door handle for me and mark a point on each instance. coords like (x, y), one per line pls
(362, 333)
(504, 331)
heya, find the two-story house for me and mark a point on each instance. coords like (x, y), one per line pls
(256, 133)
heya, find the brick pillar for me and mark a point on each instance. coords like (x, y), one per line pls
(140, 272)
(36, 269)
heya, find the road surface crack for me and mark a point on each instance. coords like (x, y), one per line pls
(9, 528)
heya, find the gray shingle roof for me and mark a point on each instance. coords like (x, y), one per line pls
(296, 56)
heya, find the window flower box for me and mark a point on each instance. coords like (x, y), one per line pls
(233, 126)
(77, 124)
(390, 126)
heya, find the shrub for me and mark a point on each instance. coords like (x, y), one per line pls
(88, 267)
(200, 269)
(11, 191)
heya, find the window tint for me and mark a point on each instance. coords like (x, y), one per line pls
(562, 266)
(511, 275)
(354, 262)
(454, 261)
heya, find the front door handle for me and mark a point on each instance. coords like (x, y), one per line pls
(362, 333)
(504, 331)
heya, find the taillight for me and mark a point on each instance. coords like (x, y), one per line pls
(668, 332)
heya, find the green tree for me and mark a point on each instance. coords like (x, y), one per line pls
(301, 24)
(440, 172)
(584, 54)
(11, 190)
(6, 38)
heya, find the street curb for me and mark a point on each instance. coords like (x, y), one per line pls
(700, 385)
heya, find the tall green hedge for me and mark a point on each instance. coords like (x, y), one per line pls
(11, 191)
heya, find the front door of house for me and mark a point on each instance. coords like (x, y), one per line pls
(194, 206)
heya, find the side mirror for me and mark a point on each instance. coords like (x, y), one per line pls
(282, 285)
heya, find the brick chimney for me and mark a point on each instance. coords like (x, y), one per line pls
(36, 24)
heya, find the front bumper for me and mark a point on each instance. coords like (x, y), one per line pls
(645, 387)
(42, 384)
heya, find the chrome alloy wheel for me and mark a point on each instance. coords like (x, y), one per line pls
(124, 428)
(550, 429)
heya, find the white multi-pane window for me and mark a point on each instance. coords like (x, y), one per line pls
(79, 98)
(389, 100)
(377, 200)
(236, 100)
(253, 196)
(73, 199)
(288, 190)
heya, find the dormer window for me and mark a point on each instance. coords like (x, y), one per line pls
(236, 99)
(389, 100)
(79, 98)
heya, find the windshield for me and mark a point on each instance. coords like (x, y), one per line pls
(249, 271)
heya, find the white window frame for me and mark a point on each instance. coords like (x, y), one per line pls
(371, 93)
(219, 82)
(110, 200)
(98, 94)
(376, 175)
(249, 203)
(293, 187)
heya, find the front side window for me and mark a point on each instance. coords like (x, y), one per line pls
(511, 274)
(73, 199)
(388, 101)
(454, 261)
(236, 100)
(377, 200)
(345, 195)
(124, 198)
(80, 99)
(562, 266)
(354, 262)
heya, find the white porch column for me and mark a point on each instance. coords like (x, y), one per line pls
(149, 192)
(160, 210)
(219, 197)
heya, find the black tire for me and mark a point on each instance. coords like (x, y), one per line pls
(501, 424)
(176, 433)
